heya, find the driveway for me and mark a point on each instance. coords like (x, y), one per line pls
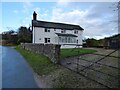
(104, 71)
(16, 73)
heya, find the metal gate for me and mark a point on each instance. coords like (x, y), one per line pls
(84, 69)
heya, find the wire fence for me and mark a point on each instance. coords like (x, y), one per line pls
(81, 69)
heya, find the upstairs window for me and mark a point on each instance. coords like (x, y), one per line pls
(63, 31)
(47, 30)
(75, 31)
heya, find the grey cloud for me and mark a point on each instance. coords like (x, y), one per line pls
(96, 20)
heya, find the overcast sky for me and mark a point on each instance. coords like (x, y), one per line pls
(98, 19)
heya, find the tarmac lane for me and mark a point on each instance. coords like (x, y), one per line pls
(16, 73)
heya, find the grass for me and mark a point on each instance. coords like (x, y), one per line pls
(40, 63)
(65, 53)
(59, 85)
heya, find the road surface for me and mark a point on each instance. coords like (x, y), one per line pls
(16, 73)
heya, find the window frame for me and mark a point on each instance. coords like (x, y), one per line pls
(75, 31)
(47, 30)
(63, 31)
(67, 39)
(47, 40)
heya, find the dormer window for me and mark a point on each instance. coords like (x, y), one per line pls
(47, 30)
(75, 31)
(63, 31)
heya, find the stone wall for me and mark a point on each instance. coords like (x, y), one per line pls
(49, 50)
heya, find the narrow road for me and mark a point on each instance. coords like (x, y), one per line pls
(16, 73)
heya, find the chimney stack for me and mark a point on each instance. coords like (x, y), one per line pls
(34, 16)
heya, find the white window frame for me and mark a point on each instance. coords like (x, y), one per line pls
(67, 39)
(75, 31)
(63, 31)
(48, 40)
(46, 30)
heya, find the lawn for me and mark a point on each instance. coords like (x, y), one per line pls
(40, 63)
(65, 53)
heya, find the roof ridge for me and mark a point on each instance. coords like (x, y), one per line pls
(41, 23)
(57, 22)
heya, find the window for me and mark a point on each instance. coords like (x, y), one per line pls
(67, 39)
(75, 31)
(47, 40)
(59, 39)
(63, 39)
(63, 31)
(47, 30)
(77, 41)
(73, 40)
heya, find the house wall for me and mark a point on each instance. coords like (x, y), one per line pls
(50, 50)
(70, 46)
(39, 34)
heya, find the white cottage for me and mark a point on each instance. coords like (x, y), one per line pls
(67, 35)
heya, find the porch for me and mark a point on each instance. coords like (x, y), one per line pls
(66, 39)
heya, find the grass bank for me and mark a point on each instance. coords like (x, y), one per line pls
(40, 63)
(65, 53)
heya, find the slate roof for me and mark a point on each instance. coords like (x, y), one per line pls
(61, 34)
(55, 25)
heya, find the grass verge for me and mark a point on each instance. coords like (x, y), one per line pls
(40, 63)
(65, 53)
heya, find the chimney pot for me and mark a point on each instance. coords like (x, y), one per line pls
(34, 16)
